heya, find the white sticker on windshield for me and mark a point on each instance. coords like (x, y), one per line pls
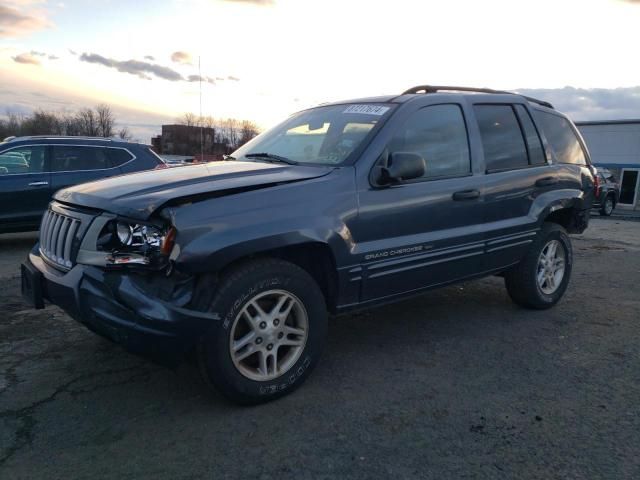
(367, 109)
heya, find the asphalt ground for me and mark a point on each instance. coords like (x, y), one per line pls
(458, 383)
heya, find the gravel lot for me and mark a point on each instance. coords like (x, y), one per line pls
(458, 383)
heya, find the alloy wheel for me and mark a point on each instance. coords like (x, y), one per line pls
(269, 334)
(551, 267)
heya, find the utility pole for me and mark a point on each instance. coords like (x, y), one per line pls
(201, 122)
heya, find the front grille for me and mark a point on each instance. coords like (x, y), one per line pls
(57, 235)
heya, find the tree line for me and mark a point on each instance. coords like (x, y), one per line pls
(99, 121)
(230, 132)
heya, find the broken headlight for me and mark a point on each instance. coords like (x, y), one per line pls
(130, 243)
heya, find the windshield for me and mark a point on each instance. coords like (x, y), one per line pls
(322, 135)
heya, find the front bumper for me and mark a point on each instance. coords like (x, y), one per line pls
(116, 306)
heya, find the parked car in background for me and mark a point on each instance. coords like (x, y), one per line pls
(32, 169)
(340, 207)
(607, 192)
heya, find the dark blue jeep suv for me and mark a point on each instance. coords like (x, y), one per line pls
(32, 169)
(340, 207)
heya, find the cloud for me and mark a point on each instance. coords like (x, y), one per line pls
(233, 79)
(14, 23)
(146, 70)
(254, 2)
(134, 67)
(197, 78)
(43, 54)
(26, 58)
(181, 57)
(73, 52)
(591, 103)
(149, 57)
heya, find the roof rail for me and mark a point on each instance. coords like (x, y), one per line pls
(440, 88)
(56, 137)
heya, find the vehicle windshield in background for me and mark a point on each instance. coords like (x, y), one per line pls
(322, 135)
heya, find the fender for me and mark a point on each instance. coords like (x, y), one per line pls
(212, 252)
(216, 232)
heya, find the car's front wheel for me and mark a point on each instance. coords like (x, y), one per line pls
(271, 334)
(541, 278)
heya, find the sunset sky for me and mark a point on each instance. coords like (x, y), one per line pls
(264, 59)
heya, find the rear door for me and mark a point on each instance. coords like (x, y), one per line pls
(516, 174)
(24, 185)
(74, 164)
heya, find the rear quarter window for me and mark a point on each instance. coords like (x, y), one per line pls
(561, 138)
(118, 156)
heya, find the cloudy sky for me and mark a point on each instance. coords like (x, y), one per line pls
(263, 59)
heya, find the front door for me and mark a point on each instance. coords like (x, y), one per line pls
(426, 231)
(24, 186)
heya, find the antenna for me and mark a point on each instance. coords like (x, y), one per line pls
(201, 119)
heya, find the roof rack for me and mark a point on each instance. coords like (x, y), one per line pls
(440, 88)
(56, 137)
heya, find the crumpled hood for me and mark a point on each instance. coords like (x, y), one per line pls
(138, 195)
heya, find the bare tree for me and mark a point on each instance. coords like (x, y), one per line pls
(105, 120)
(230, 126)
(124, 134)
(248, 130)
(88, 122)
(41, 123)
(189, 119)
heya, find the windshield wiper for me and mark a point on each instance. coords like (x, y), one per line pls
(228, 157)
(272, 157)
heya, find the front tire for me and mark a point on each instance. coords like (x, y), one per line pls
(542, 277)
(271, 334)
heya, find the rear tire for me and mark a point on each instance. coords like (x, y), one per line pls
(542, 277)
(607, 206)
(271, 334)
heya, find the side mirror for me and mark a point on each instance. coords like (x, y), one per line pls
(402, 166)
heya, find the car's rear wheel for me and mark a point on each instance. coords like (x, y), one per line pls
(542, 277)
(607, 206)
(271, 334)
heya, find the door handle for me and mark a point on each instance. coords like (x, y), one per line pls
(466, 195)
(38, 184)
(546, 181)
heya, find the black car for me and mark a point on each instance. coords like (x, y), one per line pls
(607, 192)
(343, 206)
(33, 168)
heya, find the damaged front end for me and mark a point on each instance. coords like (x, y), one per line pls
(118, 280)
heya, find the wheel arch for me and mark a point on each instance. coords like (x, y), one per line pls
(568, 211)
(313, 256)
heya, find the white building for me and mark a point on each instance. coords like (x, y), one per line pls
(615, 145)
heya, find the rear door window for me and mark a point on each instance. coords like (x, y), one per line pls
(561, 138)
(73, 158)
(502, 139)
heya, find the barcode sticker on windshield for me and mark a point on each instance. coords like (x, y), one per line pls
(367, 109)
